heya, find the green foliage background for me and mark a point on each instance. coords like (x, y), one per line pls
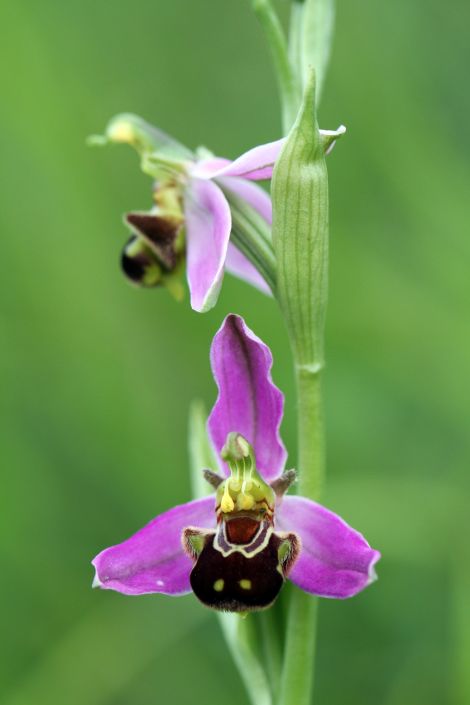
(96, 377)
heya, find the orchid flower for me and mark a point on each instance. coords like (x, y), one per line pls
(236, 550)
(191, 219)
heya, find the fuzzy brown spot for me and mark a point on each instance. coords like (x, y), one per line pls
(159, 234)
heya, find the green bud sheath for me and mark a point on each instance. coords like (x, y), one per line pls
(300, 234)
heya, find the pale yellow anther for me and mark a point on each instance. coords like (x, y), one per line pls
(227, 504)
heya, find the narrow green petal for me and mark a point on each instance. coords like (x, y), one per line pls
(127, 128)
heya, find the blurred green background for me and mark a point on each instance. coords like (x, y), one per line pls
(96, 377)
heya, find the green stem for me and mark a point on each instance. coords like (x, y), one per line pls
(242, 641)
(289, 88)
(272, 648)
(295, 36)
(310, 39)
(311, 433)
(298, 673)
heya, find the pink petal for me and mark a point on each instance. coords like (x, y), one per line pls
(256, 164)
(236, 262)
(253, 194)
(335, 560)
(208, 225)
(153, 560)
(248, 402)
(204, 168)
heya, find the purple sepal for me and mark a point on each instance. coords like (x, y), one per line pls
(153, 560)
(205, 168)
(249, 403)
(335, 560)
(251, 193)
(257, 164)
(237, 264)
(208, 226)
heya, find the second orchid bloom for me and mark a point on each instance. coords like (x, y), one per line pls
(235, 550)
(191, 220)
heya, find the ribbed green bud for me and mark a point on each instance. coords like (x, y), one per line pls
(300, 233)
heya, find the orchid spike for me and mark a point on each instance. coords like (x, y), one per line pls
(236, 551)
(191, 218)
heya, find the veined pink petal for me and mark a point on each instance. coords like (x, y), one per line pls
(256, 164)
(208, 225)
(335, 560)
(253, 194)
(153, 560)
(204, 168)
(249, 402)
(236, 262)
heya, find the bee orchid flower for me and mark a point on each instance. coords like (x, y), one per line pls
(234, 550)
(191, 220)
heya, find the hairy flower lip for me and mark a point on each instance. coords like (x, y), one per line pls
(335, 560)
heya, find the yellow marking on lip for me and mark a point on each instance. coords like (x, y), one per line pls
(219, 585)
(245, 584)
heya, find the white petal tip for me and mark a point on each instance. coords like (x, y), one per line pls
(330, 137)
(210, 298)
(96, 582)
(334, 133)
(372, 575)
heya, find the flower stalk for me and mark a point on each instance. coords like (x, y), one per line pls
(300, 236)
(289, 87)
(310, 35)
(299, 661)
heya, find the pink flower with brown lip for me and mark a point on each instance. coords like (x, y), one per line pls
(275, 536)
